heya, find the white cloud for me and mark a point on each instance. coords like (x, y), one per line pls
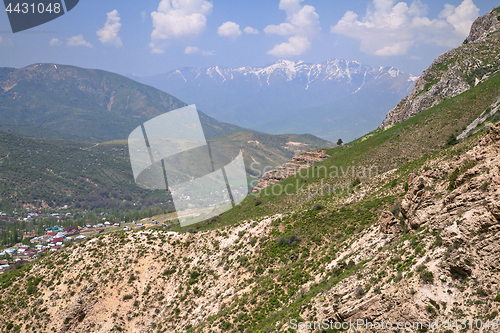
(301, 21)
(55, 42)
(178, 18)
(389, 29)
(395, 49)
(208, 53)
(109, 33)
(251, 31)
(191, 50)
(296, 45)
(229, 29)
(461, 17)
(78, 41)
(143, 16)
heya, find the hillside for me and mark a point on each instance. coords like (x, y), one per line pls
(67, 102)
(400, 225)
(44, 172)
(416, 243)
(326, 99)
(454, 71)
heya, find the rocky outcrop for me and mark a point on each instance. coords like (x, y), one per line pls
(455, 71)
(388, 223)
(299, 162)
(75, 314)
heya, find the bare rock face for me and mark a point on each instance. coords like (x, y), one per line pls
(75, 314)
(388, 223)
(453, 72)
(299, 162)
(415, 201)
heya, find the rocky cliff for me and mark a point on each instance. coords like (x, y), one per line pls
(454, 71)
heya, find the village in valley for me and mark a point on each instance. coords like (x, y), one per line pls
(58, 231)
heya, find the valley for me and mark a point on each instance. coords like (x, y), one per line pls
(399, 223)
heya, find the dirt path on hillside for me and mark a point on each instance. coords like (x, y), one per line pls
(97, 144)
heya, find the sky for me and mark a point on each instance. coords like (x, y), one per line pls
(150, 37)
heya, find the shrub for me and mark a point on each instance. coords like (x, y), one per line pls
(291, 240)
(481, 292)
(497, 299)
(126, 297)
(453, 178)
(356, 182)
(316, 206)
(492, 315)
(451, 141)
(434, 303)
(170, 271)
(427, 276)
(420, 268)
(430, 309)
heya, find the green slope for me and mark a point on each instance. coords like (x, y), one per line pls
(378, 151)
(68, 102)
(93, 176)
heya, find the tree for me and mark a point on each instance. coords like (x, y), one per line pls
(339, 142)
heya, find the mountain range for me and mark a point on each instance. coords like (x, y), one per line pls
(67, 102)
(334, 99)
(99, 109)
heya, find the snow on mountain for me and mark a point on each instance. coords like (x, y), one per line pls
(329, 99)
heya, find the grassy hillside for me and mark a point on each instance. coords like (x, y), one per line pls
(378, 151)
(95, 176)
(336, 261)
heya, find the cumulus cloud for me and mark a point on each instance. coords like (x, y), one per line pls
(78, 41)
(390, 29)
(191, 50)
(109, 33)
(229, 29)
(55, 42)
(302, 22)
(296, 45)
(251, 31)
(208, 53)
(178, 18)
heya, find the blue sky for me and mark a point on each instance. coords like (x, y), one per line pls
(150, 37)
